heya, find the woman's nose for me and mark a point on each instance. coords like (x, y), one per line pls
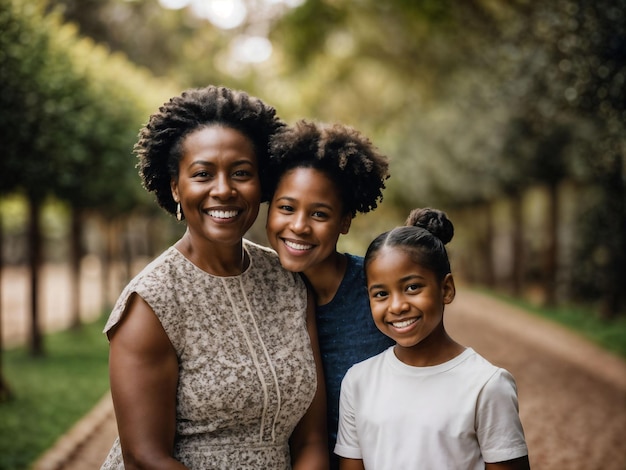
(223, 188)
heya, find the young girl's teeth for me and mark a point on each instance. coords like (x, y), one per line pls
(405, 323)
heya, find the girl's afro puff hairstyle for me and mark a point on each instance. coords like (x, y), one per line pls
(424, 235)
(159, 147)
(343, 153)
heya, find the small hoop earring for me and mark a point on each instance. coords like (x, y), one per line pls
(179, 214)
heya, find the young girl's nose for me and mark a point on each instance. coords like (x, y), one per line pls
(398, 304)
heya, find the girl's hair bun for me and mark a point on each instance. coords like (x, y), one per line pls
(433, 220)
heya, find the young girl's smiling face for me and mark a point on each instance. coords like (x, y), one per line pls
(407, 300)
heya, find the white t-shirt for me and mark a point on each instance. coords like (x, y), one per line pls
(456, 415)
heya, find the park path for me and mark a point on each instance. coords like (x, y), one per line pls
(572, 394)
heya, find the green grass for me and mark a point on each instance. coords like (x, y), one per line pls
(608, 334)
(50, 393)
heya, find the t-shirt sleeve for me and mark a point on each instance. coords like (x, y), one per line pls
(347, 438)
(499, 429)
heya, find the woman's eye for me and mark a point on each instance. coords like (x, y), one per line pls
(242, 174)
(201, 174)
(286, 208)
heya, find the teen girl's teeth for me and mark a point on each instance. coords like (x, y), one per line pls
(404, 324)
(222, 214)
(297, 246)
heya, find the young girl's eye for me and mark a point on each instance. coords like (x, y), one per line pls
(412, 288)
(320, 214)
(379, 294)
(286, 208)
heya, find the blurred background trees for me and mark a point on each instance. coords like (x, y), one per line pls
(69, 116)
(509, 115)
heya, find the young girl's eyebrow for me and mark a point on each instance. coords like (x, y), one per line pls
(407, 278)
(375, 286)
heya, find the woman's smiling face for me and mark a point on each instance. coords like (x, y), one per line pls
(305, 219)
(218, 184)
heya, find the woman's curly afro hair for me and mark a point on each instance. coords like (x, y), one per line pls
(341, 152)
(159, 147)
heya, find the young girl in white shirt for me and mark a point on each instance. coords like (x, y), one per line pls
(428, 402)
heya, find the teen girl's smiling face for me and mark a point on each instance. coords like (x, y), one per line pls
(407, 302)
(305, 219)
(218, 184)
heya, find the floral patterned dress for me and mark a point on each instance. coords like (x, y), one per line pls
(246, 368)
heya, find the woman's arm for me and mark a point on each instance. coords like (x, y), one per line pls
(143, 370)
(309, 441)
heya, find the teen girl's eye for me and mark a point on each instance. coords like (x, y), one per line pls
(286, 208)
(242, 174)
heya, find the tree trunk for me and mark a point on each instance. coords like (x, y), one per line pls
(34, 253)
(76, 255)
(490, 275)
(614, 296)
(126, 251)
(518, 246)
(109, 261)
(5, 391)
(552, 248)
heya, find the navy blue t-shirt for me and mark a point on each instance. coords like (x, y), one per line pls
(347, 335)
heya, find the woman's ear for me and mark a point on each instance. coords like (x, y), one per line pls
(448, 289)
(174, 188)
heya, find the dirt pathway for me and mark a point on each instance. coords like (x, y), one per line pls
(572, 394)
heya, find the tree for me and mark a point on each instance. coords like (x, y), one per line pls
(69, 118)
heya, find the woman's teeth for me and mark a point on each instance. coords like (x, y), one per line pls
(223, 214)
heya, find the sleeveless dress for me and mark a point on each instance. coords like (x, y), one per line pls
(246, 367)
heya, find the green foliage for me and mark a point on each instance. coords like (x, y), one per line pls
(474, 101)
(70, 112)
(478, 101)
(21, 62)
(172, 43)
(51, 393)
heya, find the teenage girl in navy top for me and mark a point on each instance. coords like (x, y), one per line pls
(322, 175)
